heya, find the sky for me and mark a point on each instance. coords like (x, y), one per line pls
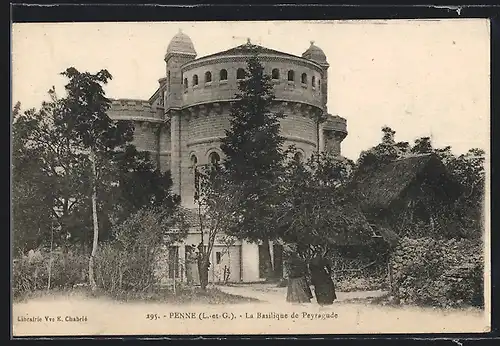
(420, 77)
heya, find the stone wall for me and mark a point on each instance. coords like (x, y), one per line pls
(147, 123)
(173, 93)
(218, 90)
(165, 146)
(195, 118)
(202, 129)
(175, 152)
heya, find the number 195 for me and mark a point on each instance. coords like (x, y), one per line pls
(152, 317)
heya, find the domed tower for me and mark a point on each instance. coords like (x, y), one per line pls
(179, 52)
(316, 54)
(334, 129)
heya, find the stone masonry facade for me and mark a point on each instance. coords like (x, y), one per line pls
(183, 121)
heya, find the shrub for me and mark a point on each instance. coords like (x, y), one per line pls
(358, 273)
(130, 262)
(353, 283)
(31, 271)
(444, 273)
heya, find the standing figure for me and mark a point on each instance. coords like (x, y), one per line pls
(203, 271)
(192, 272)
(321, 278)
(298, 290)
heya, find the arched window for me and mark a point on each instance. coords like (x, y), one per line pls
(213, 158)
(319, 84)
(291, 75)
(240, 74)
(275, 73)
(194, 160)
(185, 83)
(313, 81)
(298, 156)
(223, 74)
(303, 78)
(208, 77)
(195, 80)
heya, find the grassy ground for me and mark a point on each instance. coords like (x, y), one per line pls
(211, 295)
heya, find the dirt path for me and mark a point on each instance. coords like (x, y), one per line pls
(272, 294)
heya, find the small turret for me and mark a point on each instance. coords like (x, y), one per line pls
(317, 55)
(180, 44)
(180, 51)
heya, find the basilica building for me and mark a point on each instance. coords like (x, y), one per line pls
(183, 121)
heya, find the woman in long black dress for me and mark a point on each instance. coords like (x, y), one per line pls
(321, 278)
(298, 290)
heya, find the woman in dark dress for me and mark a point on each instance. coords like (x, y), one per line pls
(192, 270)
(321, 278)
(298, 290)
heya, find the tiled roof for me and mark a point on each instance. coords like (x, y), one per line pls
(249, 48)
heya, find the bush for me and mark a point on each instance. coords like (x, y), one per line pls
(31, 271)
(444, 273)
(119, 266)
(119, 271)
(358, 273)
(130, 262)
(352, 283)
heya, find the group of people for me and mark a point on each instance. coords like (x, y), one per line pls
(319, 270)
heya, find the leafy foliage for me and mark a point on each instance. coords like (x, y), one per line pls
(384, 152)
(218, 205)
(84, 112)
(31, 271)
(315, 212)
(129, 262)
(52, 176)
(135, 183)
(253, 153)
(445, 273)
(464, 217)
(253, 157)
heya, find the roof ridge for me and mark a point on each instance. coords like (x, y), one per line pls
(247, 45)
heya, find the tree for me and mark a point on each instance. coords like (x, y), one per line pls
(85, 113)
(49, 162)
(422, 145)
(254, 156)
(31, 200)
(315, 213)
(52, 182)
(463, 217)
(135, 183)
(218, 205)
(385, 152)
(72, 162)
(467, 213)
